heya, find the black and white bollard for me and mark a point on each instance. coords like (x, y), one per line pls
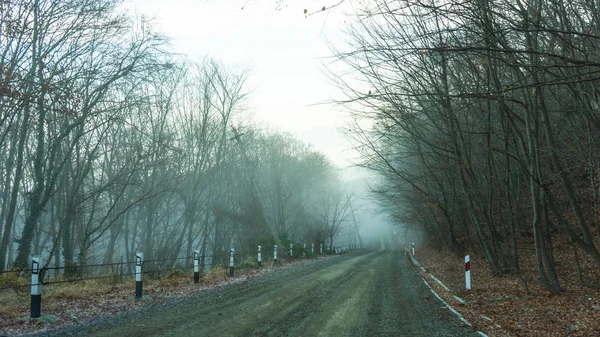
(139, 260)
(291, 249)
(196, 267)
(304, 250)
(468, 272)
(321, 249)
(275, 255)
(36, 288)
(413, 248)
(259, 256)
(231, 252)
(312, 248)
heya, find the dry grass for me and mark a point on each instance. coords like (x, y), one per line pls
(84, 301)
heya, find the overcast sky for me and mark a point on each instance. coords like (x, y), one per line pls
(283, 49)
(285, 52)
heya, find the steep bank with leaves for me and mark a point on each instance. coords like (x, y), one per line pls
(482, 120)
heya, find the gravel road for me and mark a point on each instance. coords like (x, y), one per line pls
(363, 293)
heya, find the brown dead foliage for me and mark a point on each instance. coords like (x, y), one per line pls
(508, 308)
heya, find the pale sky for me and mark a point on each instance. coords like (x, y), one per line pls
(283, 49)
(285, 52)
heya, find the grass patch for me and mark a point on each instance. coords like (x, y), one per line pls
(248, 263)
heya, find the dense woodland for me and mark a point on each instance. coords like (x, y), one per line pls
(483, 120)
(110, 145)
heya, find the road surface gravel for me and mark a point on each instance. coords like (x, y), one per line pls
(361, 293)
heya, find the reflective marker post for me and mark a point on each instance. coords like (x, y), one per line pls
(36, 288)
(139, 260)
(312, 248)
(196, 269)
(231, 252)
(321, 249)
(259, 257)
(468, 272)
(275, 255)
(304, 251)
(291, 249)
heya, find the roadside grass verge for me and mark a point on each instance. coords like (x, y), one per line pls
(85, 301)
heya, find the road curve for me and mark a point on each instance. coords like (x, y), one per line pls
(363, 293)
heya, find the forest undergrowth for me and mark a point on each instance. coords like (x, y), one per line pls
(515, 304)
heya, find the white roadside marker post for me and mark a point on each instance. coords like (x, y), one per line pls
(36, 288)
(231, 252)
(291, 250)
(196, 268)
(312, 248)
(304, 251)
(139, 260)
(259, 257)
(468, 272)
(413, 248)
(275, 255)
(321, 249)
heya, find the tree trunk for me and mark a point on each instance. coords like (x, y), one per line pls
(14, 194)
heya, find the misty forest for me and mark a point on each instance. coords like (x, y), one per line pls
(485, 124)
(111, 144)
(477, 124)
(473, 127)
